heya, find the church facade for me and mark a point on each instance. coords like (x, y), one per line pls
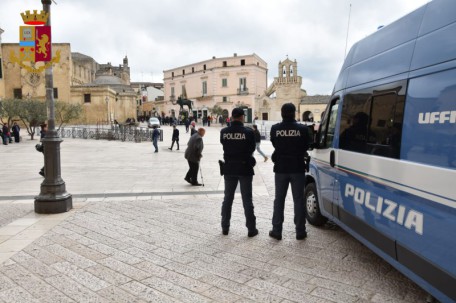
(103, 90)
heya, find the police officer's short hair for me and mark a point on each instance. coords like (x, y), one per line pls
(237, 112)
(288, 110)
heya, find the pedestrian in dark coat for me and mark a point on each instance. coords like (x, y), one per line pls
(42, 135)
(6, 134)
(155, 136)
(175, 138)
(192, 128)
(193, 154)
(16, 129)
(187, 124)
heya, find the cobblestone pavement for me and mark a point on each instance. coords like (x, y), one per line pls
(138, 233)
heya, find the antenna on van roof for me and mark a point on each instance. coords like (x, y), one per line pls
(348, 27)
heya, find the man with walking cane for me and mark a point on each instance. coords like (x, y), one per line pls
(238, 147)
(193, 154)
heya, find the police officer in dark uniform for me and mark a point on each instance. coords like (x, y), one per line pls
(291, 141)
(238, 147)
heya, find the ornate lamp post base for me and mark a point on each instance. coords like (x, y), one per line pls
(53, 204)
(53, 197)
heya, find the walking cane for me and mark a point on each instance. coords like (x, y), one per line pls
(202, 179)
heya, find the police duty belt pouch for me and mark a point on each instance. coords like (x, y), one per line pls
(222, 166)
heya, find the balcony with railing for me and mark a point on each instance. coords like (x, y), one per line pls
(243, 91)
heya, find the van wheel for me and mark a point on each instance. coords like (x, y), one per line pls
(313, 213)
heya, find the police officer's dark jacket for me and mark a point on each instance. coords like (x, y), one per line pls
(291, 141)
(238, 147)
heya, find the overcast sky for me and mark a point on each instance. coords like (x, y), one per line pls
(161, 35)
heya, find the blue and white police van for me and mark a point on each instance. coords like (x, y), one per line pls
(384, 163)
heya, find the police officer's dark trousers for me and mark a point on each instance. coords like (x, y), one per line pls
(297, 181)
(246, 193)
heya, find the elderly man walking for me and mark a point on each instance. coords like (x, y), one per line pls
(193, 154)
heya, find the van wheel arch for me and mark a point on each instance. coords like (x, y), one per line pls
(313, 214)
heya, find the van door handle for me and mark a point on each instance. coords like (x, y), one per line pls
(332, 158)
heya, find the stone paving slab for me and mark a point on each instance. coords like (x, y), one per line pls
(139, 233)
(173, 251)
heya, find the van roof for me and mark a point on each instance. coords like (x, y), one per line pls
(411, 42)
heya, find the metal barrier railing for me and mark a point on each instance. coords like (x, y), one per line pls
(121, 133)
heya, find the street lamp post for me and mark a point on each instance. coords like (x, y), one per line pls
(107, 110)
(53, 197)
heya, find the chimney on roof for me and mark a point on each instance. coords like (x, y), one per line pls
(235, 54)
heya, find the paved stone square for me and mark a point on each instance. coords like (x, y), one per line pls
(139, 233)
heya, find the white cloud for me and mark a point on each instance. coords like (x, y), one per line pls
(160, 35)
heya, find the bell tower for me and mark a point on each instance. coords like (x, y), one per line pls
(288, 72)
(287, 89)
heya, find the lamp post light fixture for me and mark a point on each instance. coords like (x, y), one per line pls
(53, 197)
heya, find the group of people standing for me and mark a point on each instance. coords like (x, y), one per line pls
(291, 141)
(7, 135)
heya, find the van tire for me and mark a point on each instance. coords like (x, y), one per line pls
(313, 213)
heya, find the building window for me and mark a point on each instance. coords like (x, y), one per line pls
(243, 86)
(172, 74)
(204, 66)
(56, 93)
(224, 82)
(225, 99)
(193, 69)
(224, 63)
(184, 92)
(204, 88)
(242, 61)
(183, 72)
(17, 93)
(1, 73)
(87, 98)
(172, 92)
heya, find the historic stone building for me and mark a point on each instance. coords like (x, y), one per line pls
(2, 81)
(227, 82)
(103, 90)
(286, 88)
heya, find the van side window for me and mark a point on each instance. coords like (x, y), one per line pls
(328, 126)
(384, 134)
(371, 121)
(354, 122)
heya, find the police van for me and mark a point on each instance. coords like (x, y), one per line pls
(384, 163)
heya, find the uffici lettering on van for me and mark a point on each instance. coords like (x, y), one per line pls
(437, 117)
(409, 218)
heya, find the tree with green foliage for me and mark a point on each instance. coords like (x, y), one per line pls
(32, 113)
(217, 111)
(66, 112)
(9, 111)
